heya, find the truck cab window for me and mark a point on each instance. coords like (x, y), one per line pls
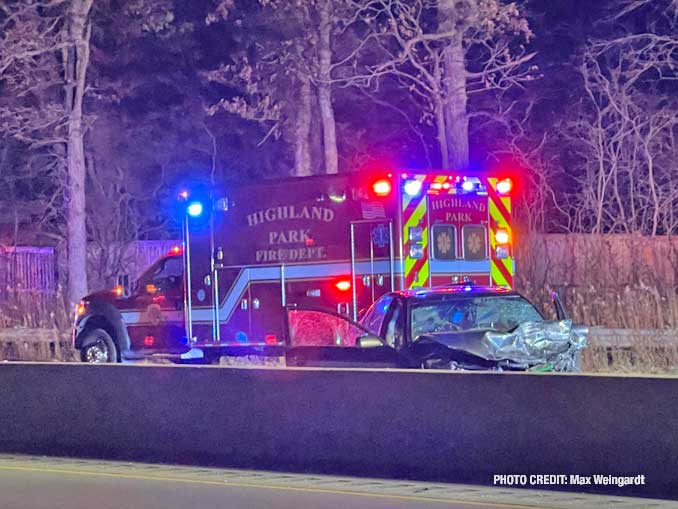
(166, 274)
(169, 274)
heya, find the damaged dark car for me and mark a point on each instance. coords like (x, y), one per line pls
(461, 327)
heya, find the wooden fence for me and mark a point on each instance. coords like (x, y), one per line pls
(29, 293)
(614, 281)
(31, 290)
(28, 269)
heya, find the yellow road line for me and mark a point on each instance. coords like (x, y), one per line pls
(226, 483)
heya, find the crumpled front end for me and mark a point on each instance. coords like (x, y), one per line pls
(555, 345)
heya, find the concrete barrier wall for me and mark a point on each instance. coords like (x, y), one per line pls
(417, 425)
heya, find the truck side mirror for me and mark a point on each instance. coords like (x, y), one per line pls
(368, 341)
(561, 313)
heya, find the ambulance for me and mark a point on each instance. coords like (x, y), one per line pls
(330, 242)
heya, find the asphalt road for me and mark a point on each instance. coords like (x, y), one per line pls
(52, 483)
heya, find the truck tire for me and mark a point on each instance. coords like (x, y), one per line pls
(98, 347)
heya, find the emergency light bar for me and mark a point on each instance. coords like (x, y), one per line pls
(460, 185)
(467, 185)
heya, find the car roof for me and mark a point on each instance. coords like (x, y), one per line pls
(462, 290)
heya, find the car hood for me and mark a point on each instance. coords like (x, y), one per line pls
(531, 343)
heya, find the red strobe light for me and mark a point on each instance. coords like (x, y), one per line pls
(504, 186)
(381, 187)
(343, 286)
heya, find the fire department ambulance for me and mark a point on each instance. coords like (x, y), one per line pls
(334, 242)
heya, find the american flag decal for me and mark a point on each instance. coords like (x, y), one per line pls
(373, 210)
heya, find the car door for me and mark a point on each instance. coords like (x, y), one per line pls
(325, 339)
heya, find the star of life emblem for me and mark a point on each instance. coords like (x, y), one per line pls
(474, 243)
(380, 236)
(444, 242)
(154, 314)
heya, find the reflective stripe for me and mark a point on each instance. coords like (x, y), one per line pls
(460, 266)
(251, 274)
(160, 316)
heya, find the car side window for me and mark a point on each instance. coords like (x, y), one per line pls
(394, 326)
(318, 328)
(374, 318)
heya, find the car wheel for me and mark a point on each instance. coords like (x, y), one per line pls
(98, 347)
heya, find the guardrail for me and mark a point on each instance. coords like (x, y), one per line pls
(437, 426)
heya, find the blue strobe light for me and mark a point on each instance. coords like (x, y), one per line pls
(194, 209)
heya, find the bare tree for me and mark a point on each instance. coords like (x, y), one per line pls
(444, 51)
(295, 71)
(44, 48)
(76, 62)
(624, 132)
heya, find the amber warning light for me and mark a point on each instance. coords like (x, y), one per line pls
(502, 237)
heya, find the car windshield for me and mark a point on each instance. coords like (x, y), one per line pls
(500, 313)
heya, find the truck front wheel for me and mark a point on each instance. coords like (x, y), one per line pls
(98, 347)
